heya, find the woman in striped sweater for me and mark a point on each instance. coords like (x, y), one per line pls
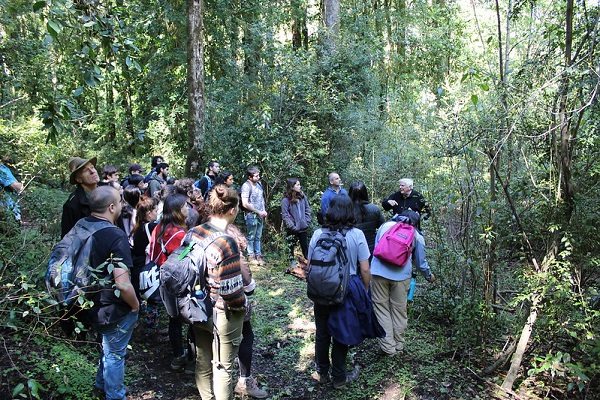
(214, 371)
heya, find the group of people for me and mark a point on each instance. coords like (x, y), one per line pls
(154, 215)
(153, 227)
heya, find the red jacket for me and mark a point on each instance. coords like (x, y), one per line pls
(171, 240)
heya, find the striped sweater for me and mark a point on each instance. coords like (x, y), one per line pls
(224, 272)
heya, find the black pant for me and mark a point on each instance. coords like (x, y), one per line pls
(245, 350)
(323, 341)
(293, 238)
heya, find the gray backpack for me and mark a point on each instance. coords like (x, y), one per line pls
(183, 285)
(69, 275)
(329, 269)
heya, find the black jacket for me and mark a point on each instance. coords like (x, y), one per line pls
(415, 202)
(76, 207)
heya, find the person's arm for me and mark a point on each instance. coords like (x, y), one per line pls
(285, 213)
(365, 273)
(246, 197)
(307, 216)
(203, 185)
(419, 261)
(16, 186)
(389, 203)
(123, 284)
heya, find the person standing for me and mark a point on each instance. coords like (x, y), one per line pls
(134, 169)
(153, 163)
(253, 200)
(112, 316)
(335, 188)
(390, 285)
(295, 212)
(218, 339)
(339, 217)
(166, 237)
(85, 176)
(158, 179)
(208, 180)
(368, 216)
(10, 183)
(407, 199)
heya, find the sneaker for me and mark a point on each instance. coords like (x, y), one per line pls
(178, 363)
(260, 260)
(321, 379)
(248, 387)
(351, 377)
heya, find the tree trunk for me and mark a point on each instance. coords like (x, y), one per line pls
(195, 80)
(331, 20)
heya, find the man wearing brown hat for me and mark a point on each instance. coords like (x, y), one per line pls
(85, 176)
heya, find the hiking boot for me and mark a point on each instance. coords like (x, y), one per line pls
(260, 260)
(321, 379)
(351, 377)
(190, 367)
(248, 387)
(178, 363)
(252, 260)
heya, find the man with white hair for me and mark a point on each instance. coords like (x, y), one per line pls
(406, 199)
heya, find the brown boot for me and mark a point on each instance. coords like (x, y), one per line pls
(260, 260)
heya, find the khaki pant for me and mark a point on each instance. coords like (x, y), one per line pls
(215, 356)
(389, 301)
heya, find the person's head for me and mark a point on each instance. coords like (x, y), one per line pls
(340, 213)
(358, 192)
(147, 211)
(293, 189)
(412, 216)
(213, 168)
(105, 201)
(253, 174)
(162, 169)
(335, 180)
(223, 202)
(406, 186)
(83, 172)
(166, 191)
(132, 194)
(186, 187)
(225, 178)
(156, 160)
(110, 173)
(135, 169)
(138, 180)
(175, 211)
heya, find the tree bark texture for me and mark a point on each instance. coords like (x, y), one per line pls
(195, 80)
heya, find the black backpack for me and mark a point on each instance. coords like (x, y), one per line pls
(69, 275)
(183, 285)
(329, 269)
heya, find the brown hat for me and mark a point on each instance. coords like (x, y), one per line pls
(75, 164)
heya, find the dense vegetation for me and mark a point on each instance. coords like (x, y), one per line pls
(490, 106)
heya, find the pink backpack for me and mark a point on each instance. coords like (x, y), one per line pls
(395, 246)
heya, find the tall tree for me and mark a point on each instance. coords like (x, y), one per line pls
(195, 81)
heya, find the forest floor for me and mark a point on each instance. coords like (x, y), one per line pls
(284, 351)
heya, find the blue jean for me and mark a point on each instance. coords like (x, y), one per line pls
(323, 341)
(254, 225)
(111, 367)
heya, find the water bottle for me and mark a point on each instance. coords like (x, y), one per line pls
(411, 290)
(199, 293)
